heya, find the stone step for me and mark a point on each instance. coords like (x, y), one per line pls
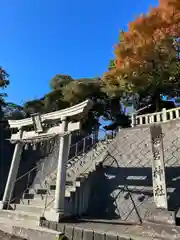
(52, 184)
(19, 215)
(7, 224)
(36, 233)
(29, 208)
(72, 186)
(28, 196)
(27, 229)
(38, 200)
(48, 184)
(41, 191)
(52, 193)
(70, 189)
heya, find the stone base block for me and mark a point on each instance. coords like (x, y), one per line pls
(54, 216)
(161, 231)
(3, 205)
(160, 216)
(36, 234)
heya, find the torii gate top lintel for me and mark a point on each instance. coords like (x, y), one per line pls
(78, 109)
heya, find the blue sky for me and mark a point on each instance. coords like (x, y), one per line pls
(40, 38)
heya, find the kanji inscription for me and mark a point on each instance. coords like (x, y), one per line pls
(158, 169)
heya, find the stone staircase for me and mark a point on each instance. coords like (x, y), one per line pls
(129, 160)
(39, 199)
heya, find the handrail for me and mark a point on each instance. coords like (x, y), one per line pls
(41, 166)
(18, 179)
(94, 145)
(148, 114)
(28, 173)
(172, 109)
(76, 147)
(47, 205)
(81, 140)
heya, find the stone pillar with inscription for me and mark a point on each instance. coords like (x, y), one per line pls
(159, 213)
(158, 168)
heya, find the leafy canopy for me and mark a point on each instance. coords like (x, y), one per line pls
(147, 54)
(4, 82)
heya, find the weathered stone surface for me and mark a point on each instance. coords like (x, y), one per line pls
(88, 234)
(60, 227)
(6, 236)
(111, 230)
(35, 234)
(111, 236)
(78, 233)
(44, 223)
(160, 216)
(124, 238)
(162, 230)
(69, 232)
(99, 235)
(53, 225)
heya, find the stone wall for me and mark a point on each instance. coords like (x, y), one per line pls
(123, 189)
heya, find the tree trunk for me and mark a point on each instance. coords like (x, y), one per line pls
(157, 99)
(1, 113)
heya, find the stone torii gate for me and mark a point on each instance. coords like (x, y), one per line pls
(43, 127)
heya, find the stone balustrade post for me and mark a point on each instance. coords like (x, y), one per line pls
(75, 204)
(133, 120)
(164, 115)
(80, 198)
(86, 195)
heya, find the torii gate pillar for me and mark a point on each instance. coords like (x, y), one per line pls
(61, 170)
(12, 173)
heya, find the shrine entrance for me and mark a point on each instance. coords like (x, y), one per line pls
(44, 129)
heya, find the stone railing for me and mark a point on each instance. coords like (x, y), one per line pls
(163, 116)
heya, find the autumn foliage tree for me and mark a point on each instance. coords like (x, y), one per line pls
(147, 54)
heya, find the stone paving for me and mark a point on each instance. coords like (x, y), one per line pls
(97, 229)
(6, 236)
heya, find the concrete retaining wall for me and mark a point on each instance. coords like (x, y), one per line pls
(123, 188)
(73, 232)
(90, 230)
